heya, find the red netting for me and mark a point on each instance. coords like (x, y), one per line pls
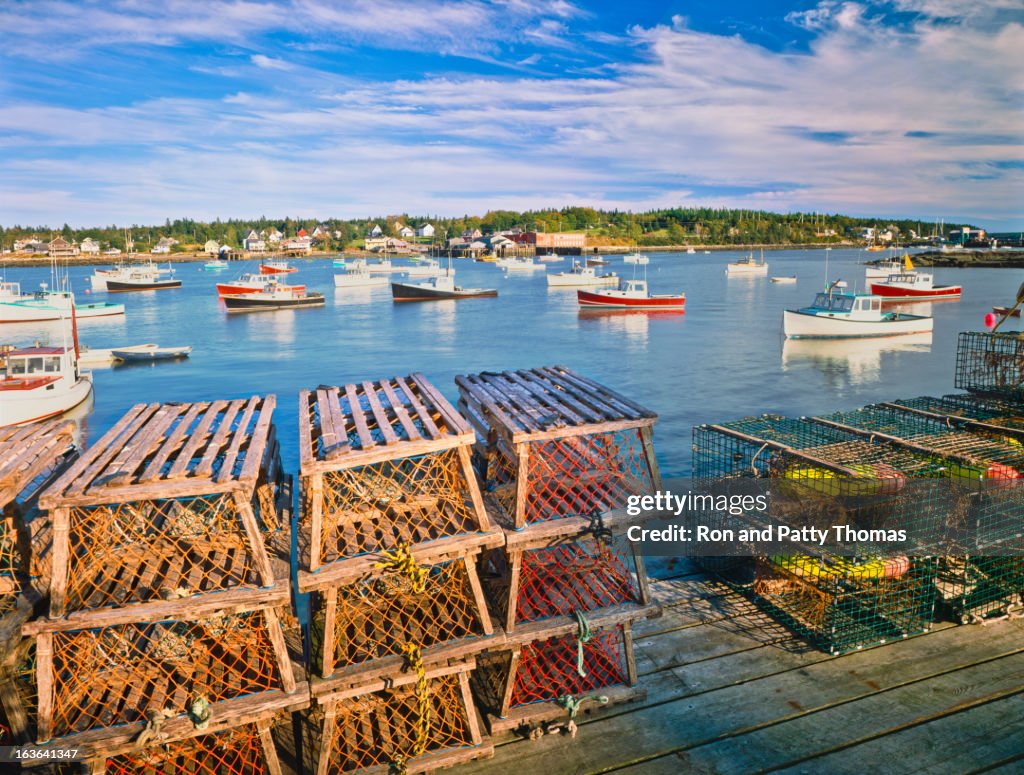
(386, 729)
(573, 476)
(114, 675)
(236, 751)
(163, 549)
(372, 508)
(548, 669)
(377, 617)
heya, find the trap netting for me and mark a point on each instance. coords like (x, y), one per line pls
(148, 550)
(391, 728)
(973, 589)
(571, 476)
(991, 364)
(566, 670)
(578, 575)
(116, 674)
(841, 604)
(376, 617)
(236, 751)
(374, 507)
(11, 566)
(990, 411)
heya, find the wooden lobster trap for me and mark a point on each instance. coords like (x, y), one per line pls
(545, 575)
(124, 683)
(175, 502)
(421, 720)
(557, 444)
(385, 466)
(567, 670)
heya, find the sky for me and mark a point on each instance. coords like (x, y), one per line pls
(130, 111)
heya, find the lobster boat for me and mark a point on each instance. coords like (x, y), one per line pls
(838, 314)
(913, 286)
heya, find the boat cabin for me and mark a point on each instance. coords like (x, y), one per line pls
(857, 306)
(34, 363)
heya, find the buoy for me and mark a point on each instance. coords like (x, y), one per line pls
(990, 320)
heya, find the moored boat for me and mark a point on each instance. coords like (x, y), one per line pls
(631, 295)
(41, 382)
(146, 276)
(356, 276)
(272, 297)
(582, 277)
(215, 264)
(842, 315)
(910, 286)
(149, 352)
(597, 262)
(441, 287)
(749, 267)
(276, 266)
(885, 269)
(784, 279)
(520, 264)
(47, 305)
(249, 283)
(93, 357)
(1013, 312)
(549, 258)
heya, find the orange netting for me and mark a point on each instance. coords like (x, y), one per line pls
(387, 728)
(572, 476)
(159, 550)
(376, 617)
(579, 576)
(372, 508)
(237, 751)
(11, 567)
(114, 675)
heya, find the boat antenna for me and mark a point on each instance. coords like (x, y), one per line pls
(827, 251)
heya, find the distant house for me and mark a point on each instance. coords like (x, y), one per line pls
(224, 250)
(273, 235)
(426, 230)
(61, 248)
(472, 234)
(405, 232)
(90, 247)
(378, 244)
(254, 243)
(376, 231)
(322, 231)
(211, 246)
(160, 249)
(112, 252)
(301, 243)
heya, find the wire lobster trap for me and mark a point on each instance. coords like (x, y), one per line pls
(557, 444)
(978, 589)
(842, 605)
(588, 566)
(384, 465)
(567, 671)
(175, 502)
(106, 686)
(968, 407)
(991, 364)
(362, 629)
(243, 750)
(423, 721)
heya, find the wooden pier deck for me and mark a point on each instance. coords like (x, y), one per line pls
(730, 691)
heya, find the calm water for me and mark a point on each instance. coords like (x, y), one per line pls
(723, 359)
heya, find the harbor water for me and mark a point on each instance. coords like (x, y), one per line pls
(724, 358)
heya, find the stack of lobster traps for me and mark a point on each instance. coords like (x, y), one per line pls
(30, 457)
(391, 524)
(164, 647)
(559, 455)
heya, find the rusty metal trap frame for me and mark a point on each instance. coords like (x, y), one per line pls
(175, 502)
(554, 570)
(384, 465)
(106, 684)
(565, 671)
(991, 364)
(361, 630)
(244, 750)
(423, 720)
(557, 444)
(841, 605)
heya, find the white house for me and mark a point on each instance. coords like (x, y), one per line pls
(160, 249)
(426, 230)
(211, 246)
(303, 243)
(376, 231)
(90, 247)
(273, 236)
(405, 232)
(254, 243)
(112, 252)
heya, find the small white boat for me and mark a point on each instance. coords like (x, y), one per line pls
(96, 357)
(215, 265)
(47, 305)
(887, 268)
(581, 277)
(41, 382)
(786, 280)
(520, 265)
(838, 314)
(427, 267)
(747, 267)
(691, 251)
(357, 276)
(384, 266)
(134, 277)
(149, 352)
(549, 258)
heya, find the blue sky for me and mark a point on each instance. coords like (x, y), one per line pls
(132, 111)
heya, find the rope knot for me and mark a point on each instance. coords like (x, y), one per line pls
(583, 635)
(400, 560)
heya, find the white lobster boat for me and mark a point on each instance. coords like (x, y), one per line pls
(841, 315)
(429, 267)
(519, 264)
(45, 305)
(357, 276)
(747, 267)
(582, 277)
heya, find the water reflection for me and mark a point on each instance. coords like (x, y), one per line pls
(858, 360)
(79, 415)
(632, 325)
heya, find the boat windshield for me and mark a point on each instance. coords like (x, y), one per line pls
(33, 365)
(838, 303)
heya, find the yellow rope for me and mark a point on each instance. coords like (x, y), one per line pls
(414, 661)
(400, 560)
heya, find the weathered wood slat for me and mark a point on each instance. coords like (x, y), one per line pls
(163, 454)
(238, 436)
(456, 422)
(383, 421)
(329, 436)
(355, 411)
(123, 467)
(261, 436)
(421, 411)
(603, 390)
(306, 452)
(220, 437)
(179, 467)
(411, 432)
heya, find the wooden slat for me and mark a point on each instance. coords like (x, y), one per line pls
(241, 434)
(411, 432)
(329, 436)
(383, 421)
(306, 452)
(132, 455)
(197, 438)
(420, 409)
(220, 437)
(518, 418)
(455, 421)
(359, 418)
(152, 471)
(546, 391)
(641, 412)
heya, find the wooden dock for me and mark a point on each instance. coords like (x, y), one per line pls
(730, 691)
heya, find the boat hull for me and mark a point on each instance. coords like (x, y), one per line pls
(609, 300)
(231, 289)
(19, 407)
(742, 271)
(412, 292)
(143, 354)
(239, 303)
(264, 269)
(896, 292)
(802, 325)
(38, 312)
(122, 286)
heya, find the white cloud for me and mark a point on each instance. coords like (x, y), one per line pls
(269, 63)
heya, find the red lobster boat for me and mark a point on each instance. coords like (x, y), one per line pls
(276, 267)
(913, 286)
(250, 283)
(632, 294)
